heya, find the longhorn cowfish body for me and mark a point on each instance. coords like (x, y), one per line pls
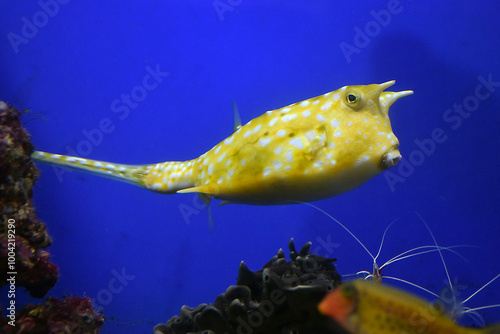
(368, 307)
(309, 150)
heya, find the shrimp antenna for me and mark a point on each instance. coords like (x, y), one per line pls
(440, 255)
(383, 238)
(481, 288)
(342, 225)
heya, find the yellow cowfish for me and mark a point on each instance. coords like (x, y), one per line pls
(367, 307)
(307, 151)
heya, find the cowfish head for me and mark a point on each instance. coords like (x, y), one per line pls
(366, 107)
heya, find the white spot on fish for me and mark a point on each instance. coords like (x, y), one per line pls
(223, 155)
(329, 155)
(332, 145)
(326, 94)
(337, 133)
(278, 149)
(311, 135)
(304, 103)
(267, 170)
(306, 113)
(320, 118)
(264, 141)
(257, 128)
(289, 156)
(210, 169)
(326, 106)
(228, 162)
(296, 142)
(220, 180)
(243, 162)
(230, 173)
(336, 96)
(248, 133)
(287, 118)
(316, 102)
(229, 140)
(277, 164)
(349, 123)
(285, 110)
(281, 133)
(335, 123)
(318, 163)
(273, 121)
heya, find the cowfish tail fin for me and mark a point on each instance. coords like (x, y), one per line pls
(134, 174)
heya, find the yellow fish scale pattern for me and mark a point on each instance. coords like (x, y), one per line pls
(369, 307)
(314, 149)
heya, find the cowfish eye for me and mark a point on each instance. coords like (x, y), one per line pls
(351, 98)
(354, 99)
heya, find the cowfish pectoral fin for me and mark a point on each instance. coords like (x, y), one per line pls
(211, 222)
(206, 190)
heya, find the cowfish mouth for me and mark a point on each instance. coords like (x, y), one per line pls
(386, 99)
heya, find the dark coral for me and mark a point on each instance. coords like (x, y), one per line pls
(30, 264)
(17, 175)
(73, 315)
(281, 298)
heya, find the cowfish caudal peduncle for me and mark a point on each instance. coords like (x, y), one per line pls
(367, 307)
(309, 150)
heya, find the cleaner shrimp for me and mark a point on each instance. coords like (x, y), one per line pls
(454, 308)
(376, 273)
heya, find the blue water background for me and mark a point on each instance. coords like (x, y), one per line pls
(262, 55)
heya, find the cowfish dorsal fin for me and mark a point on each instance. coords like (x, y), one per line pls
(237, 117)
